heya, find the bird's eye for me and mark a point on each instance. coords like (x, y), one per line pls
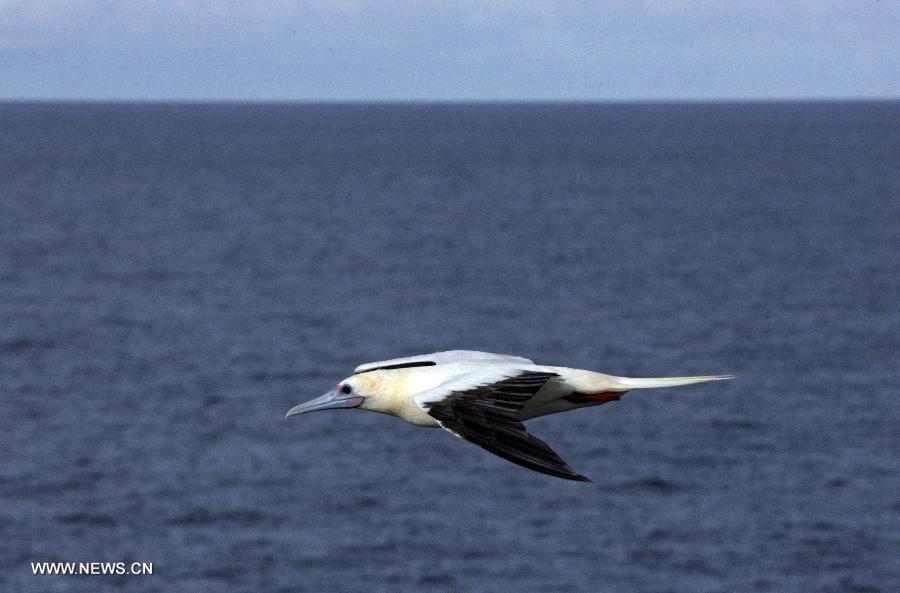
(346, 389)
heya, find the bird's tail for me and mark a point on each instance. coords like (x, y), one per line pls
(633, 383)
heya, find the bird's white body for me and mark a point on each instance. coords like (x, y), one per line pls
(401, 391)
(397, 391)
(483, 398)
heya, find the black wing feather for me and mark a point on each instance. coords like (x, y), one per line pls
(488, 417)
(401, 365)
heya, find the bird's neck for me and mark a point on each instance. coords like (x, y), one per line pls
(391, 392)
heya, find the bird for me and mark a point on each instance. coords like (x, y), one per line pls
(483, 398)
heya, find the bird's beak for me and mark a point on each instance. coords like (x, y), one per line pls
(331, 400)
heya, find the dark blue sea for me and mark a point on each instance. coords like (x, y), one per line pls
(174, 277)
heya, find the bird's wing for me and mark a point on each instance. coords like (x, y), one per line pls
(449, 357)
(482, 407)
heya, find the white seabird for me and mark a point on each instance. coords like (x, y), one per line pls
(483, 398)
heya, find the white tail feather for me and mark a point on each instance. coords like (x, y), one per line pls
(633, 383)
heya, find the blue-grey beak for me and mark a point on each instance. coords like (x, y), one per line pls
(331, 400)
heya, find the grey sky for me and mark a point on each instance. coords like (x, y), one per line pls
(492, 50)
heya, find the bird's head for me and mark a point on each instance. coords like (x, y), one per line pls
(346, 394)
(369, 391)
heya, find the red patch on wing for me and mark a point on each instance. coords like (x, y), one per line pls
(604, 396)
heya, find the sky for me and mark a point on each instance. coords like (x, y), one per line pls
(494, 50)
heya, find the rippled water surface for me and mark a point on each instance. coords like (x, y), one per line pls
(174, 277)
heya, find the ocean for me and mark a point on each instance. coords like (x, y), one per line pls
(175, 277)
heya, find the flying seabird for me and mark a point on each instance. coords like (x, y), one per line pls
(483, 398)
